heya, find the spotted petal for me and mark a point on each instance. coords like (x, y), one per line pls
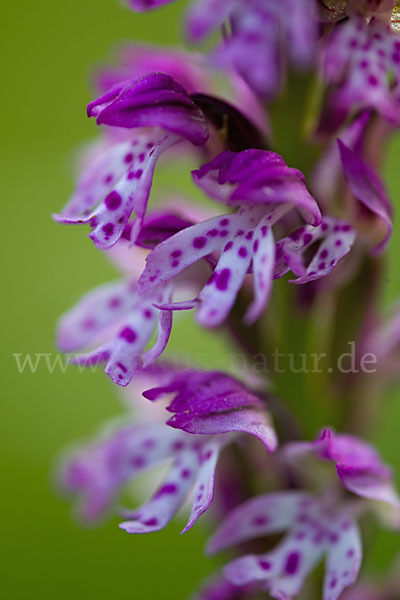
(94, 313)
(130, 191)
(263, 269)
(204, 490)
(338, 242)
(188, 246)
(124, 351)
(218, 296)
(96, 473)
(157, 513)
(284, 569)
(343, 560)
(263, 515)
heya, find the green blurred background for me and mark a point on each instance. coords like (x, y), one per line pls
(48, 49)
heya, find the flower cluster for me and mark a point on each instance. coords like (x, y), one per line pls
(288, 250)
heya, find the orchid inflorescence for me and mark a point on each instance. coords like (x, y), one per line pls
(287, 253)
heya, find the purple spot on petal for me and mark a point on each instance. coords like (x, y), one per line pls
(223, 279)
(199, 242)
(149, 444)
(128, 157)
(228, 246)
(292, 563)
(178, 445)
(88, 323)
(259, 520)
(138, 462)
(167, 489)
(108, 229)
(128, 334)
(242, 252)
(307, 238)
(115, 302)
(113, 200)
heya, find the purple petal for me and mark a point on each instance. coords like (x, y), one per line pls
(204, 490)
(158, 512)
(185, 248)
(203, 392)
(343, 561)
(218, 296)
(248, 420)
(164, 332)
(284, 569)
(94, 313)
(256, 177)
(152, 100)
(123, 352)
(359, 467)
(263, 268)
(360, 55)
(368, 188)
(326, 175)
(263, 515)
(340, 237)
(96, 473)
(130, 189)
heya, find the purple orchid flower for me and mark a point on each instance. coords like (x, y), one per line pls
(359, 468)
(98, 473)
(118, 182)
(316, 529)
(116, 319)
(265, 189)
(359, 56)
